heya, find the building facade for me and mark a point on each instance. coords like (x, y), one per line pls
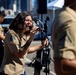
(16, 5)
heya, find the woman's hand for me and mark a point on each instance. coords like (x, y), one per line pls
(45, 43)
(33, 31)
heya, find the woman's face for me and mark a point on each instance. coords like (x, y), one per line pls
(28, 22)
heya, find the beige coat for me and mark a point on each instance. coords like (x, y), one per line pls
(12, 65)
(64, 34)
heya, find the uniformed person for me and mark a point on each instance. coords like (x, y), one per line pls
(17, 44)
(64, 39)
(2, 37)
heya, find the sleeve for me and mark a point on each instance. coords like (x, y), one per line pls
(12, 42)
(66, 45)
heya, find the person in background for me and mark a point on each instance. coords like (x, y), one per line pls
(38, 64)
(64, 39)
(2, 37)
(17, 44)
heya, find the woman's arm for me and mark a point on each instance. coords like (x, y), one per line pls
(26, 47)
(38, 47)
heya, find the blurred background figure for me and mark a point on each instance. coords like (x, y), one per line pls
(2, 37)
(64, 39)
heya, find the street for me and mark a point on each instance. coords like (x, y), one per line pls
(30, 70)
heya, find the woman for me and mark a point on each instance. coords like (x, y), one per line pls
(17, 44)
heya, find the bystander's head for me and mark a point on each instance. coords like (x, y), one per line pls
(2, 15)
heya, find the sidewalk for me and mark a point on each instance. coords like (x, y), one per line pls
(30, 70)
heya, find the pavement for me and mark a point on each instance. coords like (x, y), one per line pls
(30, 69)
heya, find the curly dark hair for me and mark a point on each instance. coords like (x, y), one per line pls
(18, 23)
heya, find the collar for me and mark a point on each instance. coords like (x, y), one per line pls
(71, 11)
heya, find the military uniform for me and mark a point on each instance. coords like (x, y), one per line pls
(64, 34)
(12, 65)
